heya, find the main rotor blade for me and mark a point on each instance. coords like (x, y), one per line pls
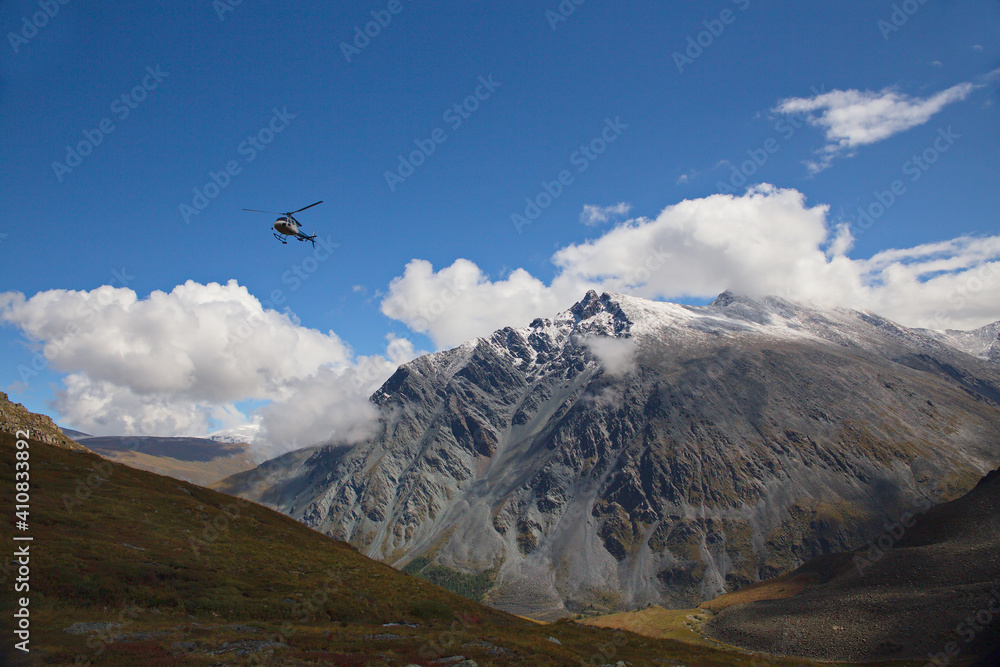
(256, 211)
(305, 207)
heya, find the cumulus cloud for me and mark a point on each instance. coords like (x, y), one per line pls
(769, 241)
(177, 363)
(460, 302)
(853, 118)
(180, 363)
(753, 244)
(593, 216)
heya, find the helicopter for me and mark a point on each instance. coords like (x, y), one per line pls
(287, 225)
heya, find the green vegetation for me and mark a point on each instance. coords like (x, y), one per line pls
(473, 586)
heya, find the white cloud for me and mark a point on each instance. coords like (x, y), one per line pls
(617, 355)
(768, 241)
(176, 363)
(754, 244)
(686, 177)
(853, 118)
(460, 302)
(593, 216)
(179, 363)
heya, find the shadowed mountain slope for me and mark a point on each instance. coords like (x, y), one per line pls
(927, 588)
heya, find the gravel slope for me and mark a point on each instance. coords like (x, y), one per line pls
(935, 590)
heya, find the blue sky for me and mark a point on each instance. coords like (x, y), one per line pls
(838, 103)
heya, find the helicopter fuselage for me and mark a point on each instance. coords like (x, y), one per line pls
(287, 226)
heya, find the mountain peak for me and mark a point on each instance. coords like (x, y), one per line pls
(601, 314)
(730, 298)
(726, 298)
(590, 305)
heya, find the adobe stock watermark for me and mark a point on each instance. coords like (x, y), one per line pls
(786, 126)
(656, 258)
(294, 278)
(892, 533)
(581, 158)
(437, 306)
(31, 26)
(455, 116)
(122, 107)
(223, 7)
(968, 629)
(697, 44)
(98, 474)
(898, 17)
(248, 150)
(220, 526)
(308, 609)
(562, 12)
(381, 18)
(368, 373)
(915, 167)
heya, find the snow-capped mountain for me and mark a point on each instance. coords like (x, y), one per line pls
(628, 451)
(983, 342)
(246, 434)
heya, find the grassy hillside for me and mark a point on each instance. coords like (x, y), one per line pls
(128, 568)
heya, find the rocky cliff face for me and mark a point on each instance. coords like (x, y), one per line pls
(630, 452)
(15, 417)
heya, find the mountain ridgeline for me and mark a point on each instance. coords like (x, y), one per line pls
(629, 452)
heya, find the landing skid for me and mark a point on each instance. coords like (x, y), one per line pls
(280, 238)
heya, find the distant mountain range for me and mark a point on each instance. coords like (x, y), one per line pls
(724, 422)
(200, 461)
(247, 434)
(983, 342)
(629, 452)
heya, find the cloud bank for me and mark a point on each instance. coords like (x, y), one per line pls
(177, 363)
(180, 363)
(768, 241)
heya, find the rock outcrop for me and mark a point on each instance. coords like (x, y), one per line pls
(15, 417)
